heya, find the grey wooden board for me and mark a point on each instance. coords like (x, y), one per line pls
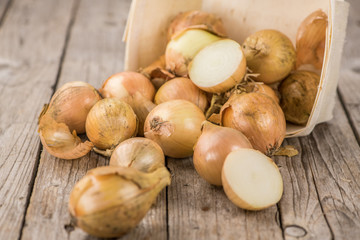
(94, 52)
(349, 82)
(4, 5)
(29, 60)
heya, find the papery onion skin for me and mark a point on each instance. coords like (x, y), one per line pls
(181, 88)
(71, 103)
(265, 89)
(110, 122)
(142, 154)
(57, 139)
(271, 54)
(109, 201)
(298, 92)
(258, 117)
(157, 73)
(212, 147)
(183, 48)
(196, 19)
(175, 125)
(124, 84)
(310, 40)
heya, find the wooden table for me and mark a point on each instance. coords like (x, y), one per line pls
(46, 43)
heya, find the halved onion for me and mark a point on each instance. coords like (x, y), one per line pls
(218, 67)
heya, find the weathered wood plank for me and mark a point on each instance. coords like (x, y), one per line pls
(301, 213)
(198, 210)
(335, 164)
(349, 84)
(29, 61)
(4, 4)
(94, 52)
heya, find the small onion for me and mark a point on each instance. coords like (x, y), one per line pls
(124, 84)
(196, 19)
(175, 125)
(218, 67)
(310, 40)
(271, 54)
(183, 48)
(110, 122)
(142, 154)
(181, 88)
(258, 117)
(212, 147)
(298, 92)
(109, 201)
(71, 103)
(251, 180)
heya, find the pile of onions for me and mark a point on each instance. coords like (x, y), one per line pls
(212, 147)
(181, 88)
(175, 125)
(258, 117)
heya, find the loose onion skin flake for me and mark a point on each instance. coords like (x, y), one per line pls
(258, 117)
(271, 54)
(212, 147)
(175, 125)
(251, 180)
(181, 88)
(298, 92)
(218, 67)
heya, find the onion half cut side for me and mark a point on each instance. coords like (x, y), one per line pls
(251, 180)
(218, 67)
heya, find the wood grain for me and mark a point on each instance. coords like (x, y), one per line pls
(94, 52)
(301, 213)
(349, 84)
(198, 210)
(29, 60)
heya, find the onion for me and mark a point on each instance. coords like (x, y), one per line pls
(310, 40)
(181, 88)
(196, 19)
(260, 87)
(251, 180)
(124, 84)
(212, 147)
(142, 154)
(218, 67)
(183, 48)
(258, 117)
(110, 122)
(71, 104)
(59, 141)
(175, 125)
(298, 92)
(109, 201)
(271, 54)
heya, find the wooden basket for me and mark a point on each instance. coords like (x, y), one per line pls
(145, 35)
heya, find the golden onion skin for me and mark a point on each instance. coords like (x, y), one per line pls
(109, 201)
(271, 54)
(298, 92)
(175, 125)
(110, 122)
(258, 117)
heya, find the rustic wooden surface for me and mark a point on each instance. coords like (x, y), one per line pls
(44, 44)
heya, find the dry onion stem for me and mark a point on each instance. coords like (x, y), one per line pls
(310, 40)
(110, 201)
(59, 141)
(196, 19)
